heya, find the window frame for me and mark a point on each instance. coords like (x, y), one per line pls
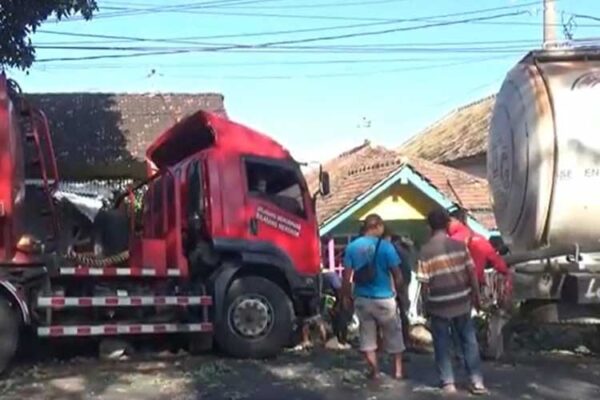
(194, 172)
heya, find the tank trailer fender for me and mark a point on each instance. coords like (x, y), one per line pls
(11, 293)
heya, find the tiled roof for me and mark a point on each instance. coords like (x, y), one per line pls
(355, 172)
(105, 135)
(461, 134)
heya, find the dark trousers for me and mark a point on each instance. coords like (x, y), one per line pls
(405, 327)
(340, 320)
(464, 329)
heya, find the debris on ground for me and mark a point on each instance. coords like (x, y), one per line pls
(334, 344)
(114, 349)
(310, 375)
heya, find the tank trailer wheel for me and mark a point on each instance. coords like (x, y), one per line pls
(9, 334)
(258, 319)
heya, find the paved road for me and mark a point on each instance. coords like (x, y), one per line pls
(317, 375)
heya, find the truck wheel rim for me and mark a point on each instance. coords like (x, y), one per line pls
(251, 316)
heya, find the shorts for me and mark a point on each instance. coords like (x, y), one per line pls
(383, 314)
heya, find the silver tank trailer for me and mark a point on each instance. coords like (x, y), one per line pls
(544, 153)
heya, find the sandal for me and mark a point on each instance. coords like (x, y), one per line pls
(478, 390)
(449, 388)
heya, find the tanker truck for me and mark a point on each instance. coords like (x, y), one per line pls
(544, 175)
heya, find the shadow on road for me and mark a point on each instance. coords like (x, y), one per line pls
(316, 375)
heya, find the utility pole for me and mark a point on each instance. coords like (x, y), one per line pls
(549, 23)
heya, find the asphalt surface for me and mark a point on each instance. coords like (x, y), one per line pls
(316, 375)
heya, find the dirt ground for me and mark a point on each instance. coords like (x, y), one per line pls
(316, 375)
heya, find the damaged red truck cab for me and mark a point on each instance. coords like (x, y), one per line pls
(247, 219)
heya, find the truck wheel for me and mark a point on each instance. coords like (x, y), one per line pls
(258, 319)
(9, 334)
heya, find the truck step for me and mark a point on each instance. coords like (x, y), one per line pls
(112, 271)
(111, 330)
(123, 301)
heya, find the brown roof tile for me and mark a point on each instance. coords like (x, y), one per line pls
(358, 170)
(461, 134)
(104, 135)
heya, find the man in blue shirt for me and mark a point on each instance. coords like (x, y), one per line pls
(375, 294)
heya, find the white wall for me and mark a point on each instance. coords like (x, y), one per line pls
(476, 166)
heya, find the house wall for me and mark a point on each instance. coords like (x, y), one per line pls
(476, 165)
(403, 207)
(402, 202)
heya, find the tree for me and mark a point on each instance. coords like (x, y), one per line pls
(20, 18)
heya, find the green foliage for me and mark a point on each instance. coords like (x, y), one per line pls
(20, 18)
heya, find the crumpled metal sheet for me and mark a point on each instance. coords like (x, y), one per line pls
(86, 205)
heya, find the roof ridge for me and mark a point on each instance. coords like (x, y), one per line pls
(475, 102)
(466, 175)
(354, 150)
(375, 165)
(138, 94)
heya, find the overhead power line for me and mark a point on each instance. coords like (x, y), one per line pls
(378, 22)
(229, 47)
(333, 49)
(585, 16)
(344, 3)
(343, 61)
(123, 11)
(204, 8)
(338, 74)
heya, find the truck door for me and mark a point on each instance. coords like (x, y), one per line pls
(279, 210)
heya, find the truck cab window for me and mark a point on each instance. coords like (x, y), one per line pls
(277, 184)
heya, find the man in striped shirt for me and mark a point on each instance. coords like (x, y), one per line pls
(450, 290)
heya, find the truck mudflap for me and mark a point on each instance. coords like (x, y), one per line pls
(12, 294)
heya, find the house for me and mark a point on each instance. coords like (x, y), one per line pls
(103, 136)
(458, 140)
(371, 179)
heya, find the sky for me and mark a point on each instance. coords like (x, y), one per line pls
(320, 76)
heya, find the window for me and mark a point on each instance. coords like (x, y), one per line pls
(278, 184)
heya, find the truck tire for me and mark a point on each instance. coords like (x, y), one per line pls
(9, 334)
(257, 320)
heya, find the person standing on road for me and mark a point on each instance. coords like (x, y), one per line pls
(450, 290)
(374, 266)
(332, 284)
(406, 270)
(481, 250)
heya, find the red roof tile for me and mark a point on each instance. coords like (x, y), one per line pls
(358, 170)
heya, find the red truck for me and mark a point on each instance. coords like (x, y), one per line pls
(225, 244)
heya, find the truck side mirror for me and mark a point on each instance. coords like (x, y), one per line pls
(324, 183)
